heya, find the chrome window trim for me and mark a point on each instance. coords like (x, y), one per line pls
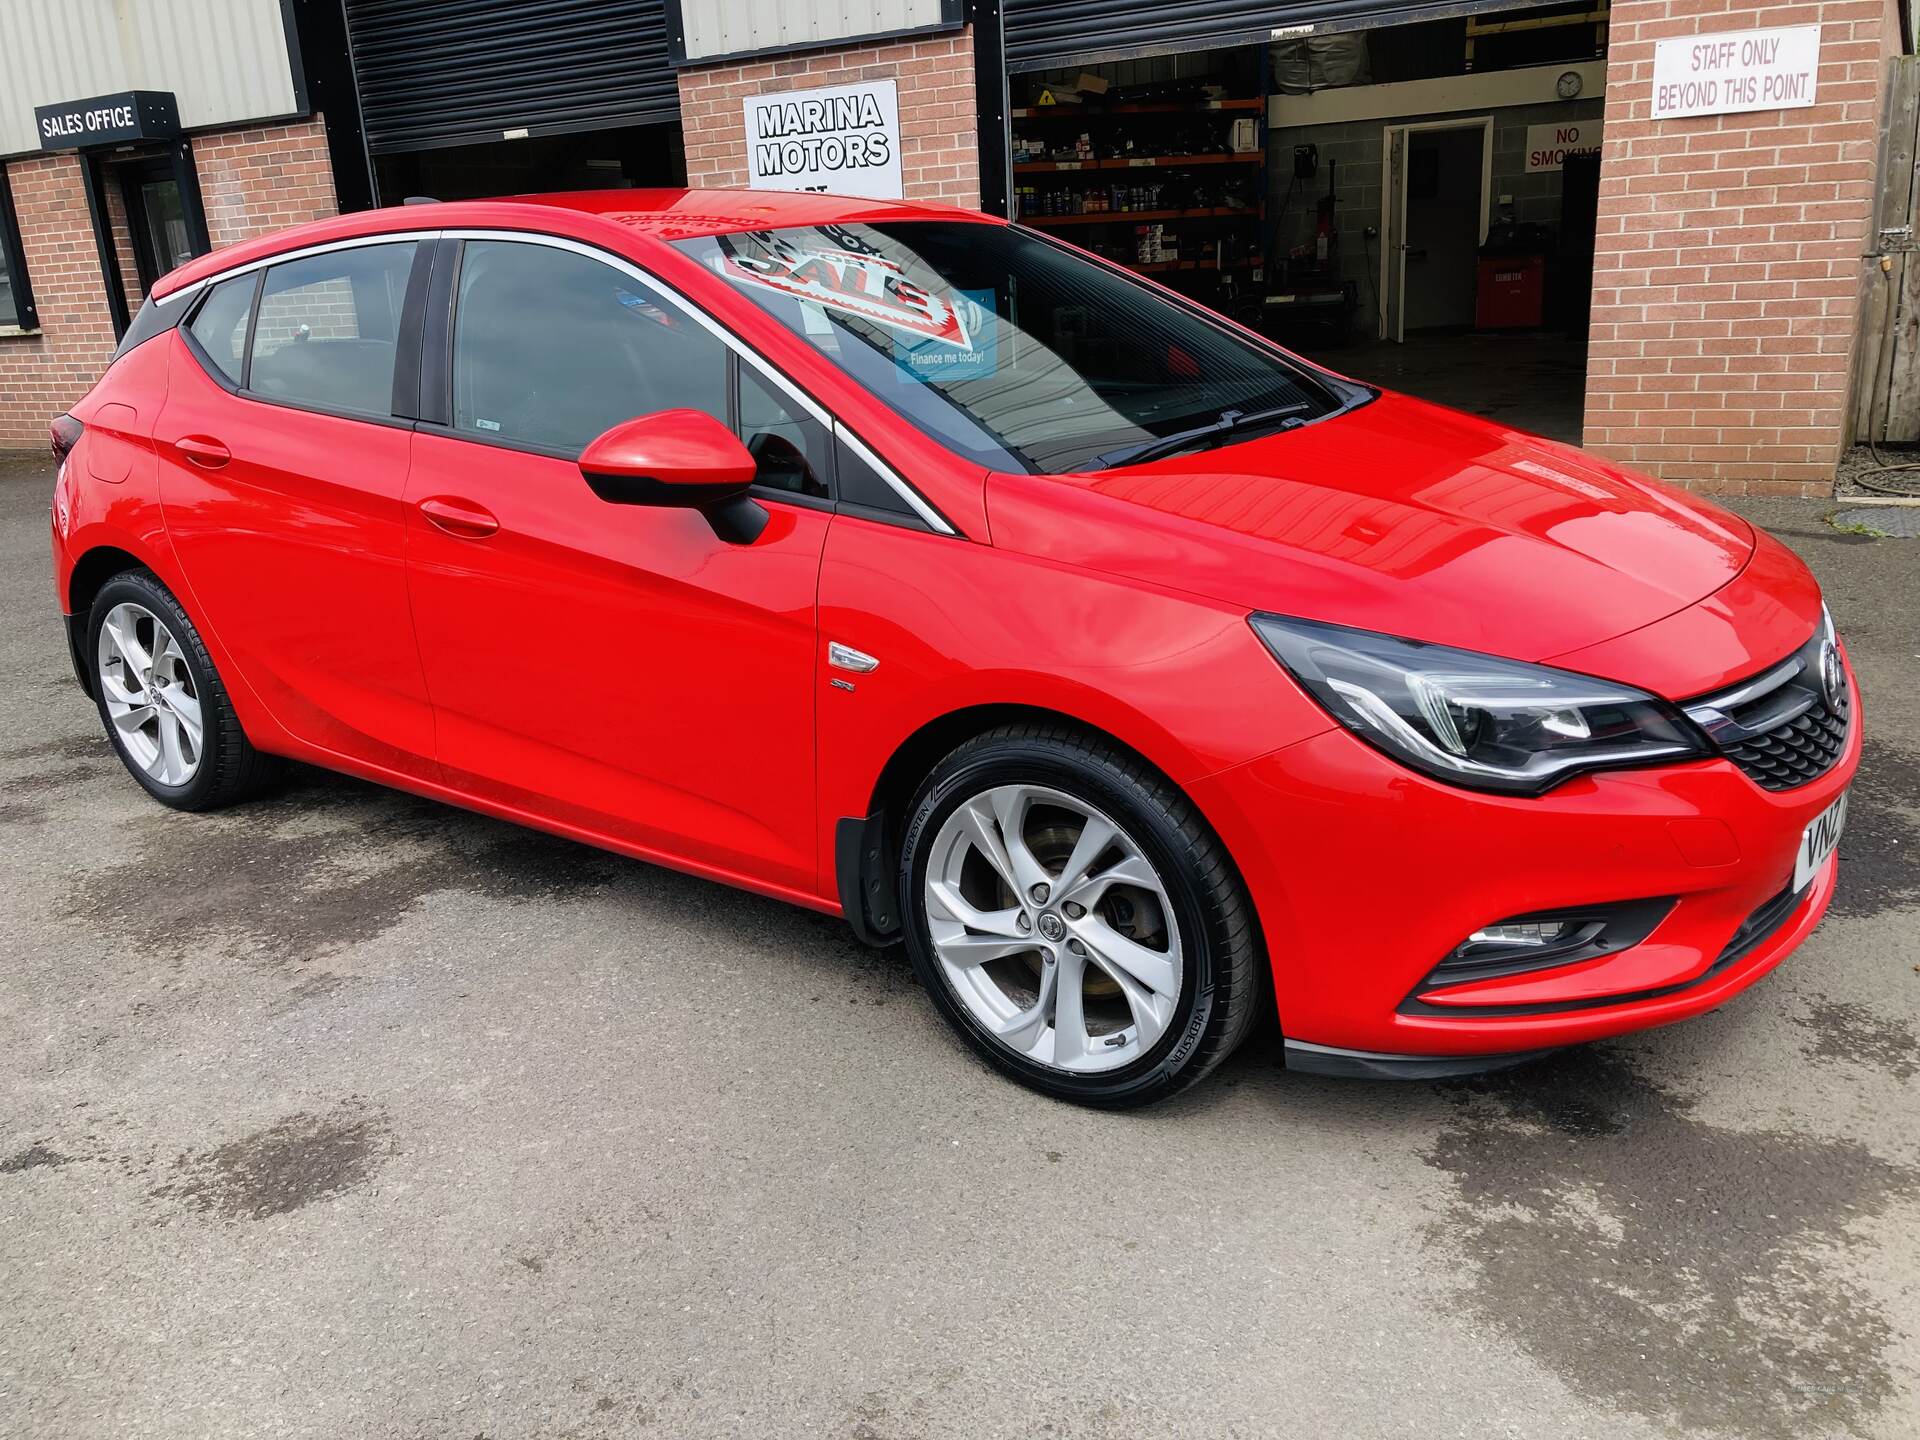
(392, 237)
(763, 367)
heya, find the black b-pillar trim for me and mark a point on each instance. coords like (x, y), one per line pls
(94, 181)
(990, 96)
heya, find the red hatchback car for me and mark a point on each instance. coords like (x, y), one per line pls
(919, 568)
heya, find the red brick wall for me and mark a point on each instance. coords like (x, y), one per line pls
(1727, 267)
(939, 151)
(250, 181)
(41, 375)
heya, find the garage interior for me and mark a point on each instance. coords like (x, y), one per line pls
(1410, 204)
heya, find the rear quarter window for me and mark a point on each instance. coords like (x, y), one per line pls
(220, 324)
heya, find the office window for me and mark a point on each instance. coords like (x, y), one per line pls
(16, 295)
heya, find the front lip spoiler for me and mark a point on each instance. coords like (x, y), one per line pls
(1310, 1059)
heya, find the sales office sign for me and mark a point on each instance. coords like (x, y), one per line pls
(1732, 74)
(839, 139)
(107, 120)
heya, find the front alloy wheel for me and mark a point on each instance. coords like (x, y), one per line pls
(1053, 929)
(1075, 919)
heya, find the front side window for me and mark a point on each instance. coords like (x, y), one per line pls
(220, 324)
(551, 349)
(1010, 350)
(329, 329)
(792, 450)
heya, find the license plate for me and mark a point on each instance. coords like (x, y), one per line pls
(1818, 841)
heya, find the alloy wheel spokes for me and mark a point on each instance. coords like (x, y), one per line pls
(149, 694)
(1053, 928)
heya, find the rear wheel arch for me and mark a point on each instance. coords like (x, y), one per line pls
(90, 573)
(93, 570)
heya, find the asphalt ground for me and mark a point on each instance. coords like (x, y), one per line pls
(347, 1114)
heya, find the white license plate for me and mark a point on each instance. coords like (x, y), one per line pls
(1818, 841)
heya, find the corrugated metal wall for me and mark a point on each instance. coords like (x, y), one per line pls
(454, 72)
(226, 60)
(1045, 33)
(727, 27)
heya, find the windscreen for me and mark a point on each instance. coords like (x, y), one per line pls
(1005, 347)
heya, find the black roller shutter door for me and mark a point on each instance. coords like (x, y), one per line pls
(456, 72)
(1043, 34)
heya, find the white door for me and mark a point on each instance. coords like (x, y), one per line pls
(1393, 250)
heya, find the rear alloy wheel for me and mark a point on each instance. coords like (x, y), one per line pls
(163, 703)
(149, 694)
(1074, 918)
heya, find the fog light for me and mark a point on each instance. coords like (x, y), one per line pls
(1519, 935)
(1546, 938)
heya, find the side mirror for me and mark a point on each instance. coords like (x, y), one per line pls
(681, 458)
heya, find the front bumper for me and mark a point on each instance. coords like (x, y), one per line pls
(1365, 875)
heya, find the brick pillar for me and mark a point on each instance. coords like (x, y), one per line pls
(266, 178)
(939, 146)
(1727, 266)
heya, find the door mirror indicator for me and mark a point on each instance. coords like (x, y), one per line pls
(680, 458)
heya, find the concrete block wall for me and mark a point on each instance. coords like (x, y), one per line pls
(940, 153)
(1361, 181)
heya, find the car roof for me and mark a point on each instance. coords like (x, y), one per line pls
(681, 214)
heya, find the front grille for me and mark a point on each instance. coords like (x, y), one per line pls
(1792, 754)
(1788, 725)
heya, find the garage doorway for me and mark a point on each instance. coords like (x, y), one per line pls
(1439, 183)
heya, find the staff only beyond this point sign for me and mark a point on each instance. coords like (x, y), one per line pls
(1734, 73)
(840, 139)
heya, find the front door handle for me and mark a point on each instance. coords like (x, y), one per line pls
(203, 450)
(459, 517)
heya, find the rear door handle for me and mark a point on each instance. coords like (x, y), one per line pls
(459, 517)
(203, 450)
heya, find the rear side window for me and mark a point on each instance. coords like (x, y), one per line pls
(328, 329)
(220, 325)
(551, 348)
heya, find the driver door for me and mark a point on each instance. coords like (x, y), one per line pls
(617, 668)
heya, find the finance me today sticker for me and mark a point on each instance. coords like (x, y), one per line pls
(927, 361)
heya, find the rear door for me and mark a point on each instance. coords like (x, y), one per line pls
(614, 667)
(283, 467)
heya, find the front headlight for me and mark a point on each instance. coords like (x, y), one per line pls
(1476, 720)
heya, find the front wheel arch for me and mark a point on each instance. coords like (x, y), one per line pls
(867, 848)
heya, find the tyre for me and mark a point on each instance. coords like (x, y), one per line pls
(1074, 918)
(163, 704)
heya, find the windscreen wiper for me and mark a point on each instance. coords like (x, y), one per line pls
(1230, 423)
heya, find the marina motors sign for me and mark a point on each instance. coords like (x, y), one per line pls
(840, 139)
(1736, 72)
